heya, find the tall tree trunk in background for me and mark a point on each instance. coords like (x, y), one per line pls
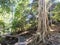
(42, 20)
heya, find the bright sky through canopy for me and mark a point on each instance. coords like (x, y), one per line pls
(58, 0)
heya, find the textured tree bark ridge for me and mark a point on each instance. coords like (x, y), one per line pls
(43, 25)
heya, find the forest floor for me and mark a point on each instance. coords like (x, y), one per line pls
(54, 38)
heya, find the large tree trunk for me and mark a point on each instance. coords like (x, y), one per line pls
(43, 25)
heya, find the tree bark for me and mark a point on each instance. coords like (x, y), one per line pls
(43, 25)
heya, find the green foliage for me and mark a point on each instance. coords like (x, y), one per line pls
(56, 16)
(2, 23)
(6, 5)
(23, 10)
(22, 21)
(56, 12)
(1, 39)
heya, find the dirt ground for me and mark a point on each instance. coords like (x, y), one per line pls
(54, 38)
